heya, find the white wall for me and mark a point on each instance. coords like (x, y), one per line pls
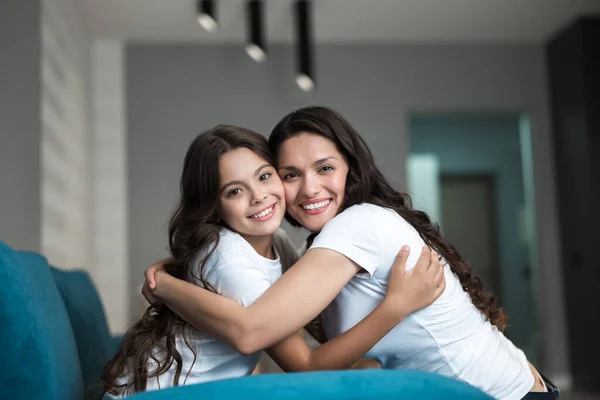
(65, 148)
(110, 248)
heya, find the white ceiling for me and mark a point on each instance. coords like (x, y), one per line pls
(342, 21)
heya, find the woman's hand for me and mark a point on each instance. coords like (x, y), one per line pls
(410, 291)
(149, 288)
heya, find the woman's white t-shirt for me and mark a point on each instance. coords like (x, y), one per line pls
(449, 337)
(235, 270)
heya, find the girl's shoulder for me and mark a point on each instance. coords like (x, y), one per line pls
(227, 250)
(228, 238)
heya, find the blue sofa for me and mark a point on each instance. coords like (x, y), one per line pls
(55, 340)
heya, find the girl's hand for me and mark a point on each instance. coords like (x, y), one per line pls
(148, 290)
(411, 291)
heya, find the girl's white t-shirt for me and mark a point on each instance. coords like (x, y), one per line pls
(235, 270)
(449, 337)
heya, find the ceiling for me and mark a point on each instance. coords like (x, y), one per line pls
(342, 21)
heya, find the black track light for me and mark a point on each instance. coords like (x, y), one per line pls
(256, 43)
(206, 15)
(304, 77)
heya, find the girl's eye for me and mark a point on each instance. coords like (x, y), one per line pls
(326, 168)
(264, 177)
(234, 192)
(289, 176)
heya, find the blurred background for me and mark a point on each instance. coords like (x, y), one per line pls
(486, 111)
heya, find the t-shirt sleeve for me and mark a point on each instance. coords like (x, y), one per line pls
(354, 233)
(240, 280)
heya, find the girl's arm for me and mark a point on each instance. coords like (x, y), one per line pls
(297, 297)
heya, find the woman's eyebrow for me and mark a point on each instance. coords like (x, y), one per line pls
(322, 160)
(319, 161)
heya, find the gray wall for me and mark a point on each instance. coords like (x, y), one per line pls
(176, 91)
(20, 124)
(489, 144)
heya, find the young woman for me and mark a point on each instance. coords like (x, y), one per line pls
(334, 189)
(224, 236)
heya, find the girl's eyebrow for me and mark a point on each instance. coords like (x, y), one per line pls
(261, 168)
(240, 182)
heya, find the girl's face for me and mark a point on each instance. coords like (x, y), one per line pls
(314, 176)
(251, 197)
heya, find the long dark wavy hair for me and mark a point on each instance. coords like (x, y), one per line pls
(194, 226)
(366, 184)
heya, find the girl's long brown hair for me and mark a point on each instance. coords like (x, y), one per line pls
(193, 229)
(366, 184)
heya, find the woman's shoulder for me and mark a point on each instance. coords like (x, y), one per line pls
(355, 221)
(367, 220)
(362, 213)
(368, 209)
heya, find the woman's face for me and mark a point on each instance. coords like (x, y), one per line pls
(251, 196)
(314, 173)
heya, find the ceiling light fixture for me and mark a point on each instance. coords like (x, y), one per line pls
(256, 44)
(206, 15)
(305, 76)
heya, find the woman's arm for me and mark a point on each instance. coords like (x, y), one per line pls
(297, 297)
(291, 302)
(293, 354)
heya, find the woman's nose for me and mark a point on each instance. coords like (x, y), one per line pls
(310, 186)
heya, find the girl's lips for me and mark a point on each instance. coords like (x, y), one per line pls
(264, 217)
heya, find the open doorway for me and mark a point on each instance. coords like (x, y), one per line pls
(469, 221)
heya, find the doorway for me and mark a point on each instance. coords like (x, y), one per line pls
(469, 221)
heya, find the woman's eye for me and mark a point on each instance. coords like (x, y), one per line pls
(289, 176)
(234, 192)
(326, 168)
(264, 177)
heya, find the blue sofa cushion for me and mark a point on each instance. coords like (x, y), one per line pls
(330, 385)
(88, 319)
(39, 355)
